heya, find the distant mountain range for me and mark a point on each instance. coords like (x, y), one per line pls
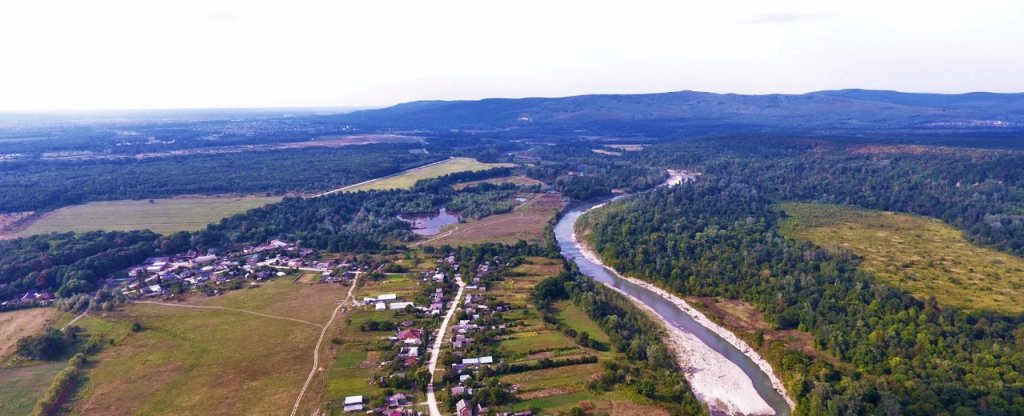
(840, 110)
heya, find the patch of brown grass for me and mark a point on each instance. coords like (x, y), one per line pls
(21, 323)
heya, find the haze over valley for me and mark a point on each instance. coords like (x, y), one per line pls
(319, 209)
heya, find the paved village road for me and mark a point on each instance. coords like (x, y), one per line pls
(436, 351)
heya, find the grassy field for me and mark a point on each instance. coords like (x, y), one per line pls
(518, 180)
(209, 361)
(922, 255)
(527, 222)
(404, 285)
(21, 323)
(526, 342)
(576, 319)
(407, 179)
(162, 215)
(20, 387)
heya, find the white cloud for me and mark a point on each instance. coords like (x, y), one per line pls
(60, 54)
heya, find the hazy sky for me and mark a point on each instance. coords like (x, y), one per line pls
(101, 54)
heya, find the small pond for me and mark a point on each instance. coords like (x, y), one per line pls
(430, 224)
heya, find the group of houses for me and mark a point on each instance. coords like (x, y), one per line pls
(159, 276)
(30, 297)
(394, 405)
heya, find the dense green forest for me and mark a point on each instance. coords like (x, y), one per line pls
(43, 185)
(979, 191)
(719, 237)
(581, 174)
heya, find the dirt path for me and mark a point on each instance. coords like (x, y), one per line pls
(448, 233)
(435, 352)
(316, 350)
(80, 316)
(230, 309)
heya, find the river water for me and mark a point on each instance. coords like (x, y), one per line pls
(670, 312)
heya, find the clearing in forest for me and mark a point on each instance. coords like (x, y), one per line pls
(163, 216)
(210, 361)
(405, 180)
(922, 255)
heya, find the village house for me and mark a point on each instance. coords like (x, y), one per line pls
(410, 336)
(468, 362)
(463, 408)
(354, 404)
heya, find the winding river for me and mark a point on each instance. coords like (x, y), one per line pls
(723, 376)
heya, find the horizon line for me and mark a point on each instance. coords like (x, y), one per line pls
(340, 109)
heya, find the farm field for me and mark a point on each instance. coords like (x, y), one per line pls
(162, 215)
(20, 387)
(21, 323)
(527, 222)
(922, 255)
(407, 179)
(518, 180)
(209, 361)
(578, 320)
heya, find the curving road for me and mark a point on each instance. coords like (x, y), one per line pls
(436, 351)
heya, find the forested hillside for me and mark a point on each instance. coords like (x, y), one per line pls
(901, 355)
